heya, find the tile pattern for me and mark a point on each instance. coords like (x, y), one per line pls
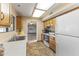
(31, 37)
(38, 49)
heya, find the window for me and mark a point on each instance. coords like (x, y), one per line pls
(2, 29)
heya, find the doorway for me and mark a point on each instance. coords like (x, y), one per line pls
(32, 32)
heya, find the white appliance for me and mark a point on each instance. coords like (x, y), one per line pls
(67, 34)
(15, 48)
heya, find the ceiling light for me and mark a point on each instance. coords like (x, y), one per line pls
(38, 13)
(31, 23)
(44, 6)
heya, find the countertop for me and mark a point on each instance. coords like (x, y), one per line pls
(50, 34)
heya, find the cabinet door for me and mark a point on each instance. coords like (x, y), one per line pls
(18, 22)
(42, 37)
(52, 43)
(5, 21)
(51, 22)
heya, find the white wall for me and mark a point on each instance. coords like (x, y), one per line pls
(4, 37)
(67, 24)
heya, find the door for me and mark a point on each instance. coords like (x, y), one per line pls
(31, 32)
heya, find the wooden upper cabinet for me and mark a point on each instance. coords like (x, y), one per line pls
(18, 22)
(52, 43)
(5, 14)
(46, 23)
(51, 22)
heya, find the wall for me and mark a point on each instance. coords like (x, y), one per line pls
(68, 44)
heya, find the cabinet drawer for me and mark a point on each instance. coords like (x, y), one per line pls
(52, 43)
(53, 47)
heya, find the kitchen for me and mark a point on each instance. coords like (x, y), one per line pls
(55, 31)
(65, 35)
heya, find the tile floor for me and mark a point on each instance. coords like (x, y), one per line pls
(38, 49)
(31, 37)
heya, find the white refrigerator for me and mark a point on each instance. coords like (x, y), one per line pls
(67, 34)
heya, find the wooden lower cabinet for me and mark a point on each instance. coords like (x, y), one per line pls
(42, 37)
(52, 43)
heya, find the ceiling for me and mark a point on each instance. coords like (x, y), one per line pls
(24, 9)
(27, 9)
(54, 8)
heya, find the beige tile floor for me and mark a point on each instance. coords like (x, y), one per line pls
(31, 37)
(38, 49)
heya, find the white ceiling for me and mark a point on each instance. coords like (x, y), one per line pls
(54, 8)
(25, 9)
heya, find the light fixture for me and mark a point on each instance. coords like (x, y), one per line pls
(38, 13)
(44, 6)
(31, 23)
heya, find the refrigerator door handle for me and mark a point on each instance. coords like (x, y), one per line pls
(66, 35)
